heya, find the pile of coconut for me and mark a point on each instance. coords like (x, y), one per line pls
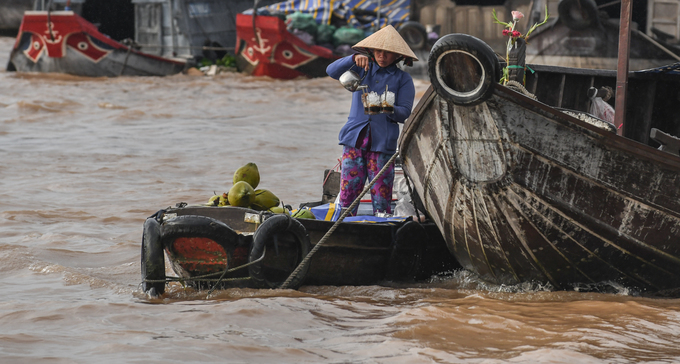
(243, 193)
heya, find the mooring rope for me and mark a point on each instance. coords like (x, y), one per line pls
(332, 229)
(518, 86)
(264, 250)
(204, 277)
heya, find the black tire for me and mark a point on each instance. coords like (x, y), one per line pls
(462, 69)
(202, 226)
(408, 250)
(414, 34)
(578, 14)
(196, 226)
(287, 244)
(153, 259)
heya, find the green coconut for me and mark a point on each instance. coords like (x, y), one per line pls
(264, 200)
(241, 194)
(248, 173)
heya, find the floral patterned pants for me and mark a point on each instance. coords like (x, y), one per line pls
(359, 164)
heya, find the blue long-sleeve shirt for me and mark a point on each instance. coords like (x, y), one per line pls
(384, 128)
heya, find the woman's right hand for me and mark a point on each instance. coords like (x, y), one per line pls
(361, 61)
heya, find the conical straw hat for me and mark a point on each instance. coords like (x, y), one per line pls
(386, 39)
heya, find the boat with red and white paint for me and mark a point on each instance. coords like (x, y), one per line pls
(266, 48)
(64, 42)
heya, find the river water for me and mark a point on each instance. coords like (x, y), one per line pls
(83, 162)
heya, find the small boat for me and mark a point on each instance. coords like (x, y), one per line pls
(226, 247)
(64, 42)
(526, 185)
(266, 48)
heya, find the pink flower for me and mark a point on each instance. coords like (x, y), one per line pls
(516, 33)
(517, 15)
(506, 31)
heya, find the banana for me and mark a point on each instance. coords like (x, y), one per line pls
(224, 200)
(214, 200)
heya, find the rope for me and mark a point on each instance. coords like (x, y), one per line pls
(335, 226)
(203, 278)
(519, 87)
(264, 250)
(329, 172)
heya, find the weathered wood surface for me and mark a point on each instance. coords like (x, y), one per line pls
(523, 192)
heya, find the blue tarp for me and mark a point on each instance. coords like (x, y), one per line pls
(672, 69)
(332, 212)
(357, 13)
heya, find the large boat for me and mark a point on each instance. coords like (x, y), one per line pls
(526, 185)
(64, 42)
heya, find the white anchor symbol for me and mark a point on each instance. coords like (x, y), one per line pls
(262, 49)
(50, 33)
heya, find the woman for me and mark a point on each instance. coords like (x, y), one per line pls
(369, 141)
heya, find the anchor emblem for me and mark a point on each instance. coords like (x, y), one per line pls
(261, 43)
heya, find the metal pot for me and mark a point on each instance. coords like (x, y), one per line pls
(351, 81)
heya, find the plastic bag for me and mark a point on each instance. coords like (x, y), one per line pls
(325, 33)
(347, 35)
(602, 110)
(303, 22)
(404, 205)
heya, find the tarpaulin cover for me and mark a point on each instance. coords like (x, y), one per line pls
(358, 13)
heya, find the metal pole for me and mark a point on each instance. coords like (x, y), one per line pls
(622, 67)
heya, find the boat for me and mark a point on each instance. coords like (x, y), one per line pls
(269, 44)
(199, 29)
(267, 48)
(64, 42)
(582, 36)
(527, 185)
(223, 247)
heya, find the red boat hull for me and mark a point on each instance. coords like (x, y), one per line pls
(64, 42)
(267, 48)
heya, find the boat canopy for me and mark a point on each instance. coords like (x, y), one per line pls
(363, 14)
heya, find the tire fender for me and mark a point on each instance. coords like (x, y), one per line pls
(463, 69)
(578, 14)
(153, 258)
(287, 244)
(408, 250)
(414, 34)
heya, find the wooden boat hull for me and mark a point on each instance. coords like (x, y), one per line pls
(523, 192)
(75, 46)
(355, 254)
(266, 48)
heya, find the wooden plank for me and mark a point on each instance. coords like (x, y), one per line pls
(622, 69)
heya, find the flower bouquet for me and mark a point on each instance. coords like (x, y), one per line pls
(515, 41)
